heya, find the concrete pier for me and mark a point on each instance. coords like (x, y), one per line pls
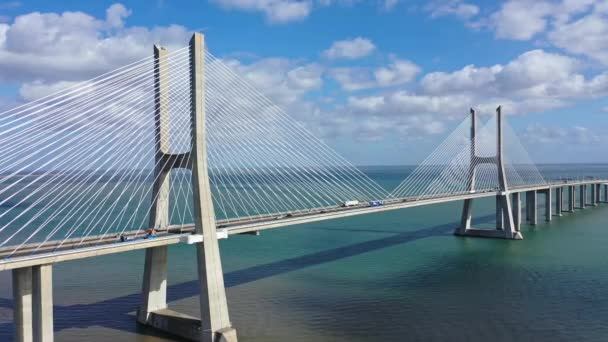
(42, 302)
(531, 207)
(593, 194)
(583, 196)
(571, 198)
(499, 214)
(559, 201)
(33, 303)
(516, 200)
(548, 204)
(22, 301)
(605, 193)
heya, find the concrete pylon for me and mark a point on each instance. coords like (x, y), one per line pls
(154, 283)
(213, 304)
(505, 225)
(214, 324)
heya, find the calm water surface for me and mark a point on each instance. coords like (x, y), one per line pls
(394, 276)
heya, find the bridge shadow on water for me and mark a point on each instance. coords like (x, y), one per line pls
(114, 313)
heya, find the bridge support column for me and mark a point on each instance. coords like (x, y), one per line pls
(22, 301)
(605, 193)
(593, 196)
(500, 221)
(532, 207)
(571, 198)
(583, 196)
(559, 200)
(505, 226)
(516, 200)
(33, 303)
(598, 190)
(42, 302)
(154, 287)
(548, 205)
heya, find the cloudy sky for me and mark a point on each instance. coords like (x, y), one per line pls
(381, 81)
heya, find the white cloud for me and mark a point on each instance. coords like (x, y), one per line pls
(388, 5)
(586, 36)
(283, 80)
(543, 134)
(30, 91)
(521, 19)
(73, 46)
(534, 74)
(116, 14)
(456, 8)
(398, 72)
(276, 11)
(576, 26)
(350, 49)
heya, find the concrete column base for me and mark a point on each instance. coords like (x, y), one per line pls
(489, 233)
(183, 326)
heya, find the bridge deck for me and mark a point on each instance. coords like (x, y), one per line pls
(77, 248)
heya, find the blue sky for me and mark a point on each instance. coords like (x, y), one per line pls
(382, 81)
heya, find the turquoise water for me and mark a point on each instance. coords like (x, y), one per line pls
(392, 276)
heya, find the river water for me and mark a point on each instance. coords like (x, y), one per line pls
(393, 276)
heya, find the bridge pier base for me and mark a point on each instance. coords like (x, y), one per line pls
(33, 303)
(154, 284)
(593, 195)
(605, 193)
(505, 223)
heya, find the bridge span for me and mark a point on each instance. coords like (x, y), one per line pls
(53, 251)
(178, 148)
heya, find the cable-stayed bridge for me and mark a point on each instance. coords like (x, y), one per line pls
(178, 148)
